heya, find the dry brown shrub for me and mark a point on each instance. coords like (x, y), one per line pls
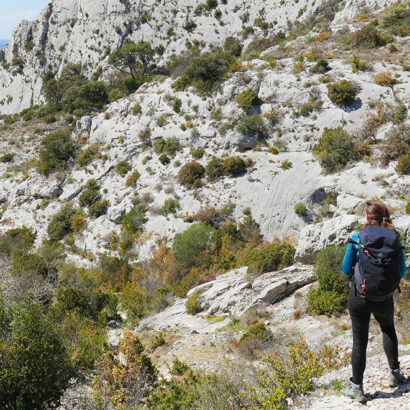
(383, 78)
(205, 215)
(323, 36)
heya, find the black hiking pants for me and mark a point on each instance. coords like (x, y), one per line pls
(360, 310)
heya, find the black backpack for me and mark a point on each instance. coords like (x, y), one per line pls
(378, 271)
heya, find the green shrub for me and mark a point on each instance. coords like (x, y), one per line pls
(98, 208)
(136, 109)
(188, 245)
(335, 149)
(305, 109)
(134, 220)
(169, 147)
(257, 331)
(16, 242)
(248, 99)
(30, 264)
(396, 19)
(123, 168)
(176, 106)
(88, 155)
(403, 164)
(134, 300)
(58, 148)
(274, 256)
(193, 305)
(125, 378)
(60, 224)
(90, 194)
(286, 164)
(132, 179)
(158, 340)
(321, 67)
(204, 72)
(85, 341)
(253, 126)
(368, 37)
(35, 367)
(408, 208)
(7, 157)
(342, 93)
(197, 153)
(395, 144)
(234, 166)
(190, 174)
(164, 159)
(214, 169)
(331, 294)
(300, 209)
(284, 376)
(170, 206)
(233, 46)
(358, 65)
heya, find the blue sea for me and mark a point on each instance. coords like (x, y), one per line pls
(3, 43)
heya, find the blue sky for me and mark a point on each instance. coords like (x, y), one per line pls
(12, 11)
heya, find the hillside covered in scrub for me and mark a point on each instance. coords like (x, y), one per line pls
(178, 180)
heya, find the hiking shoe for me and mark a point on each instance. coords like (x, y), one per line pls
(396, 377)
(355, 392)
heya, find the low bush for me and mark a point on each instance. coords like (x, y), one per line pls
(98, 208)
(58, 148)
(16, 242)
(214, 169)
(335, 149)
(123, 168)
(233, 46)
(168, 147)
(321, 67)
(88, 155)
(342, 93)
(188, 245)
(135, 219)
(253, 126)
(60, 224)
(7, 157)
(383, 78)
(284, 376)
(403, 165)
(358, 65)
(124, 382)
(300, 209)
(193, 305)
(274, 256)
(197, 153)
(170, 206)
(331, 294)
(204, 72)
(132, 179)
(248, 99)
(396, 19)
(134, 300)
(234, 166)
(368, 37)
(90, 194)
(190, 174)
(396, 143)
(176, 106)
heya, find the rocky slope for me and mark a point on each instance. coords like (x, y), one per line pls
(85, 31)
(283, 171)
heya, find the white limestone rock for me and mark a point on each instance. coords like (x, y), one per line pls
(314, 238)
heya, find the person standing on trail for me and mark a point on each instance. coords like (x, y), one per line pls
(374, 261)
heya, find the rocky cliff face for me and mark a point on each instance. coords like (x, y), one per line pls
(269, 189)
(85, 31)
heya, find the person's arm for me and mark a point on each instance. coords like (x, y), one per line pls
(350, 258)
(402, 261)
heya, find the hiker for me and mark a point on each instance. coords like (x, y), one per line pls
(374, 261)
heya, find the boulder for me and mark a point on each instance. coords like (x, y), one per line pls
(314, 238)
